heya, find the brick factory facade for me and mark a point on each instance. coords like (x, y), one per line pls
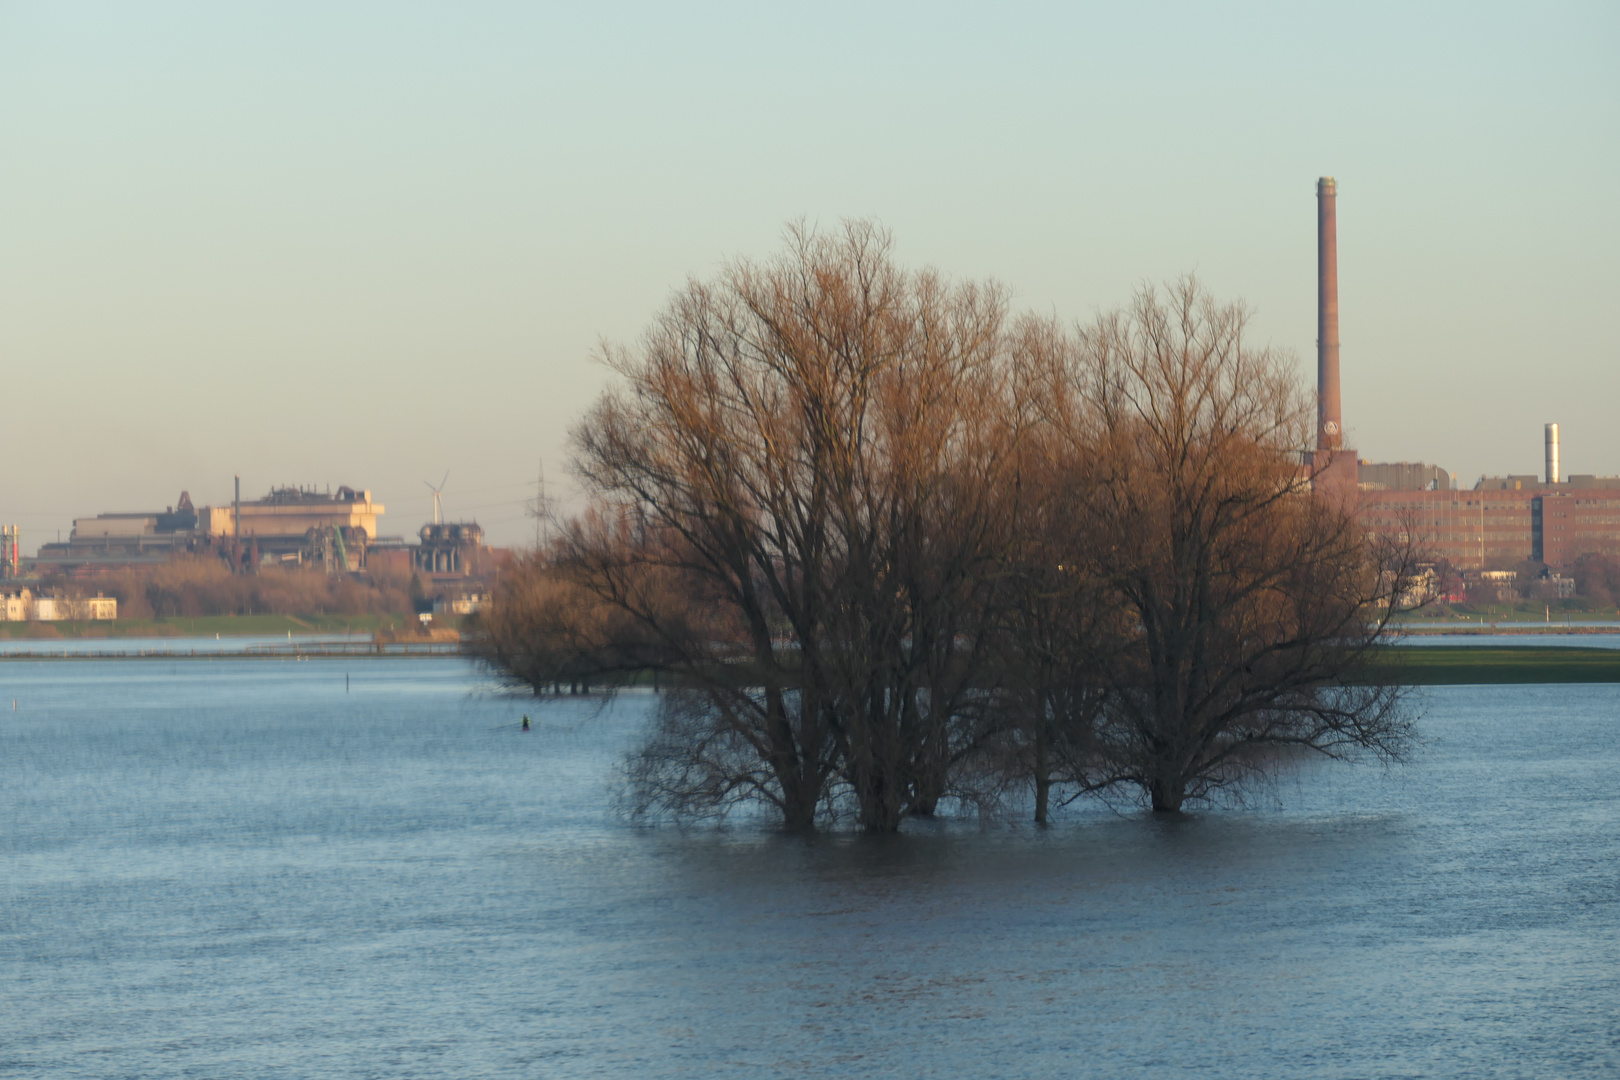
(1496, 526)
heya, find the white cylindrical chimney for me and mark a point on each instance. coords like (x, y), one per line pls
(1552, 453)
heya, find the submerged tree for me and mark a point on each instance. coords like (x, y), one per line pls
(811, 449)
(885, 547)
(549, 628)
(1237, 603)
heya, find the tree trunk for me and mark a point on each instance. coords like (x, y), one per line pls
(881, 806)
(1043, 777)
(929, 787)
(1167, 795)
(799, 810)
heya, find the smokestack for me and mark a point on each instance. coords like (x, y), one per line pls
(1329, 424)
(1552, 453)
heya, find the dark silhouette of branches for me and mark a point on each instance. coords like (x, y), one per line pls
(886, 547)
(1232, 603)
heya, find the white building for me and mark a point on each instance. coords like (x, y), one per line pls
(464, 604)
(23, 605)
(16, 605)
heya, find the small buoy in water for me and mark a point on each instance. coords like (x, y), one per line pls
(525, 723)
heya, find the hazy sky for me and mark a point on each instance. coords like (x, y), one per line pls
(368, 243)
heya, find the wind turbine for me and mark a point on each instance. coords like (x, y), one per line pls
(438, 516)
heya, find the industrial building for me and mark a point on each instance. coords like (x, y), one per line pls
(1498, 524)
(1403, 476)
(10, 552)
(295, 526)
(23, 605)
(336, 531)
(124, 539)
(446, 551)
(289, 526)
(1503, 521)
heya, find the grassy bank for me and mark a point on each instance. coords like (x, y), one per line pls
(209, 625)
(1528, 612)
(1439, 665)
(1445, 665)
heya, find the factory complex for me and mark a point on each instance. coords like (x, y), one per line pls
(1484, 534)
(1505, 527)
(335, 532)
(1503, 520)
(288, 527)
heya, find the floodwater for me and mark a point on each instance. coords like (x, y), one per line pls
(241, 868)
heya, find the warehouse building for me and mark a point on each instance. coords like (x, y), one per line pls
(1503, 520)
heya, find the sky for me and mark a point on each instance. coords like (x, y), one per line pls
(375, 243)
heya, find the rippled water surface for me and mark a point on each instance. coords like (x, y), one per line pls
(237, 868)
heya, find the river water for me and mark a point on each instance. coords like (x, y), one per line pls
(69, 648)
(248, 869)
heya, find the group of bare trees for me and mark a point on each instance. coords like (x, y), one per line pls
(204, 585)
(885, 546)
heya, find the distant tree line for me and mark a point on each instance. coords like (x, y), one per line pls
(1594, 575)
(1597, 579)
(204, 585)
(886, 547)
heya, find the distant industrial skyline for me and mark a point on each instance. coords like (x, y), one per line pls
(363, 245)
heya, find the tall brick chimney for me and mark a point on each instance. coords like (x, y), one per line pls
(1329, 422)
(1335, 470)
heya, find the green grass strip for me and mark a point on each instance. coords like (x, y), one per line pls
(1455, 665)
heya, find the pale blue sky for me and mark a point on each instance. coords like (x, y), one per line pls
(366, 243)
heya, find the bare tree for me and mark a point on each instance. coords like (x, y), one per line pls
(548, 630)
(812, 446)
(889, 549)
(1050, 693)
(922, 516)
(1237, 602)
